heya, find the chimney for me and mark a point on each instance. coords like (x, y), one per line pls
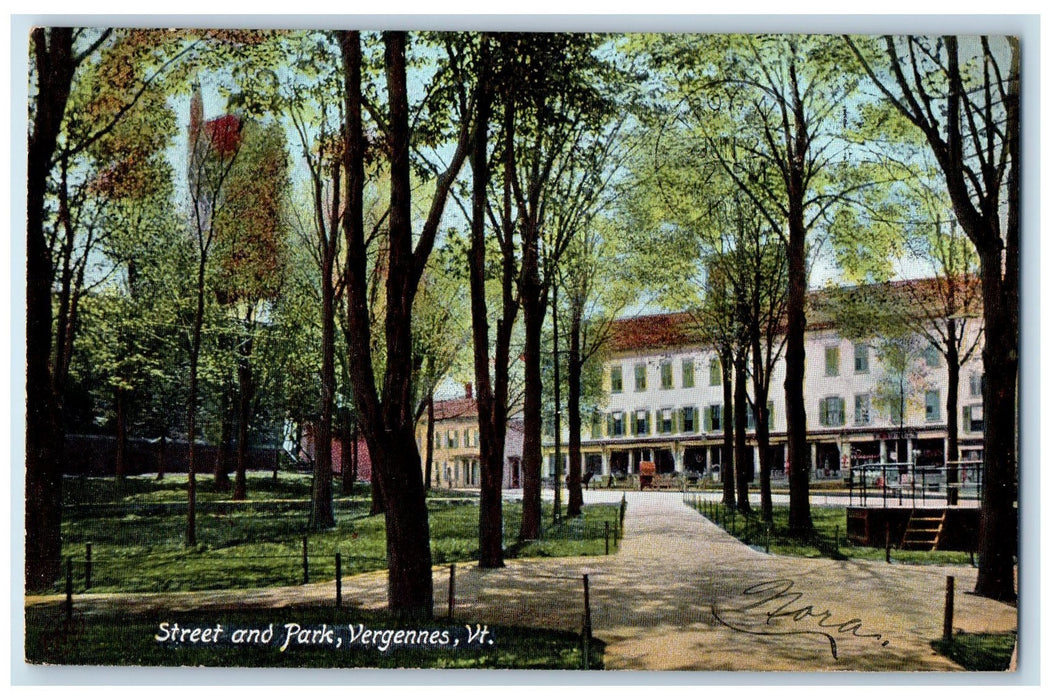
(468, 390)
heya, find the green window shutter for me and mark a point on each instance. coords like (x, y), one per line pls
(676, 421)
(707, 419)
(823, 411)
(770, 415)
(967, 418)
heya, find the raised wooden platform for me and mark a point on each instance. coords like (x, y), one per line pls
(867, 525)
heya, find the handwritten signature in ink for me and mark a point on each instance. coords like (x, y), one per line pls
(778, 601)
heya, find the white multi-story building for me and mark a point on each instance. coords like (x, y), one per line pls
(665, 404)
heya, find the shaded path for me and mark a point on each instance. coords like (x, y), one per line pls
(655, 602)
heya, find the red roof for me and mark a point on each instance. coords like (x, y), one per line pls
(679, 329)
(655, 331)
(451, 409)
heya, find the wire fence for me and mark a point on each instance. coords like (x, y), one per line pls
(143, 547)
(754, 531)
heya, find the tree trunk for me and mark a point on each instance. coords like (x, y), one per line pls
(742, 459)
(952, 418)
(120, 401)
(532, 458)
(410, 592)
(557, 469)
(430, 441)
(221, 469)
(162, 456)
(762, 439)
(727, 467)
(45, 432)
(761, 367)
(491, 390)
(191, 410)
(574, 371)
(321, 512)
(377, 505)
(245, 394)
(795, 370)
(998, 526)
(797, 148)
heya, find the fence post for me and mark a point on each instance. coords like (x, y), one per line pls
(607, 538)
(837, 539)
(950, 592)
(87, 566)
(768, 538)
(69, 588)
(452, 589)
(339, 580)
(587, 623)
(888, 540)
(306, 562)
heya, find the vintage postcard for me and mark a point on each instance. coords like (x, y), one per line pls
(571, 350)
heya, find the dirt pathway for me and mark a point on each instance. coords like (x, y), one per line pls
(681, 594)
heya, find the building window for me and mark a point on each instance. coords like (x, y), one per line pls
(452, 438)
(831, 411)
(596, 425)
(861, 359)
(977, 384)
(713, 418)
(642, 422)
(666, 380)
(974, 418)
(687, 373)
(474, 438)
(832, 361)
(616, 379)
(715, 372)
(862, 409)
(750, 416)
(616, 424)
(932, 401)
(932, 356)
(640, 377)
(689, 419)
(665, 424)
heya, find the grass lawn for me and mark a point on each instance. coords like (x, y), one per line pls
(137, 536)
(978, 652)
(830, 525)
(114, 639)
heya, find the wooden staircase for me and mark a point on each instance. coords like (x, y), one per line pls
(923, 531)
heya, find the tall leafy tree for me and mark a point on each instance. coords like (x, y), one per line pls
(386, 409)
(251, 242)
(767, 107)
(595, 293)
(963, 94)
(213, 150)
(557, 108)
(491, 386)
(58, 53)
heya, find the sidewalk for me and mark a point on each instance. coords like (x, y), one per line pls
(681, 594)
